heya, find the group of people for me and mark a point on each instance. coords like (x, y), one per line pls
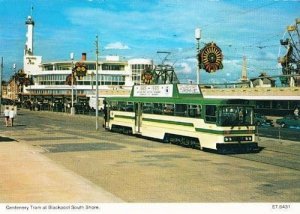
(9, 115)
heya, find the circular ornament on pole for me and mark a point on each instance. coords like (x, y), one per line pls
(69, 80)
(80, 69)
(147, 76)
(210, 58)
(20, 77)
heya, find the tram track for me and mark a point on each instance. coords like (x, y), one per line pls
(272, 157)
(283, 152)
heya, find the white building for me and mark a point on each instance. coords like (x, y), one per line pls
(116, 76)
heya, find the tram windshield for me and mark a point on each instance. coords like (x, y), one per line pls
(234, 115)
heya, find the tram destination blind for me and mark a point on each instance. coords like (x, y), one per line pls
(153, 90)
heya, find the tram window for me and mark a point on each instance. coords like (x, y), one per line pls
(279, 104)
(248, 116)
(181, 110)
(235, 115)
(121, 106)
(169, 109)
(263, 104)
(194, 111)
(129, 107)
(210, 113)
(125, 106)
(148, 108)
(294, 104)
(157, 108)
(113, 106)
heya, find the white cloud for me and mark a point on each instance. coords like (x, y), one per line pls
(116, 45)
(185, 68)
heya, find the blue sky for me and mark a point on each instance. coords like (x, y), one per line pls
(140, 28)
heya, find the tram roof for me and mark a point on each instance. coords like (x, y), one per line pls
(172, 93)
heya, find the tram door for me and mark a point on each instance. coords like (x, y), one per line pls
(138, 117)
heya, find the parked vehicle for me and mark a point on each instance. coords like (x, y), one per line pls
(290, 121)
(261, 120)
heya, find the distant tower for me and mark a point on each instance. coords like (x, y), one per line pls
(31, 62)
(29, 36)
(244, 70)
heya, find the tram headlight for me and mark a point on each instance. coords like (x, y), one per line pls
(227, 139)
(248, 138)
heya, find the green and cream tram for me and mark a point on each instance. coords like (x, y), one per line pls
(178, 114)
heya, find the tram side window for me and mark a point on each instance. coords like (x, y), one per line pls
(181, 110)
(169, 109)
(121, 106)
(113, 106)
(148, 108)
(210, 113)
(125, 106)
(294, 104)
(194, 111)
(280, 104)
(263, 104)
(157, 108)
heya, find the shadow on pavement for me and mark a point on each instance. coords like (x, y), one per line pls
(6, 139)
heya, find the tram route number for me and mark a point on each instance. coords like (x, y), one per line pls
(281, 206)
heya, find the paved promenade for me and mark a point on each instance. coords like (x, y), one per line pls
(26, 175)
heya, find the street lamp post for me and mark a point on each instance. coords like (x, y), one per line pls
(198, 37)
(72, 85)
(97, 83)
(15, 84)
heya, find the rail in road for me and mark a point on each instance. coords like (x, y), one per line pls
(288, 160)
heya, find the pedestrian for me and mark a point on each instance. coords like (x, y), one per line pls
(12, 115)
(296, 112)
(6, 115)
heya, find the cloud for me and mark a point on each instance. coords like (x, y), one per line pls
(185, 68)
(116, 45)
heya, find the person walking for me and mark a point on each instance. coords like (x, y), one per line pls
(296, 112)
(6, 115)
(12, 115)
